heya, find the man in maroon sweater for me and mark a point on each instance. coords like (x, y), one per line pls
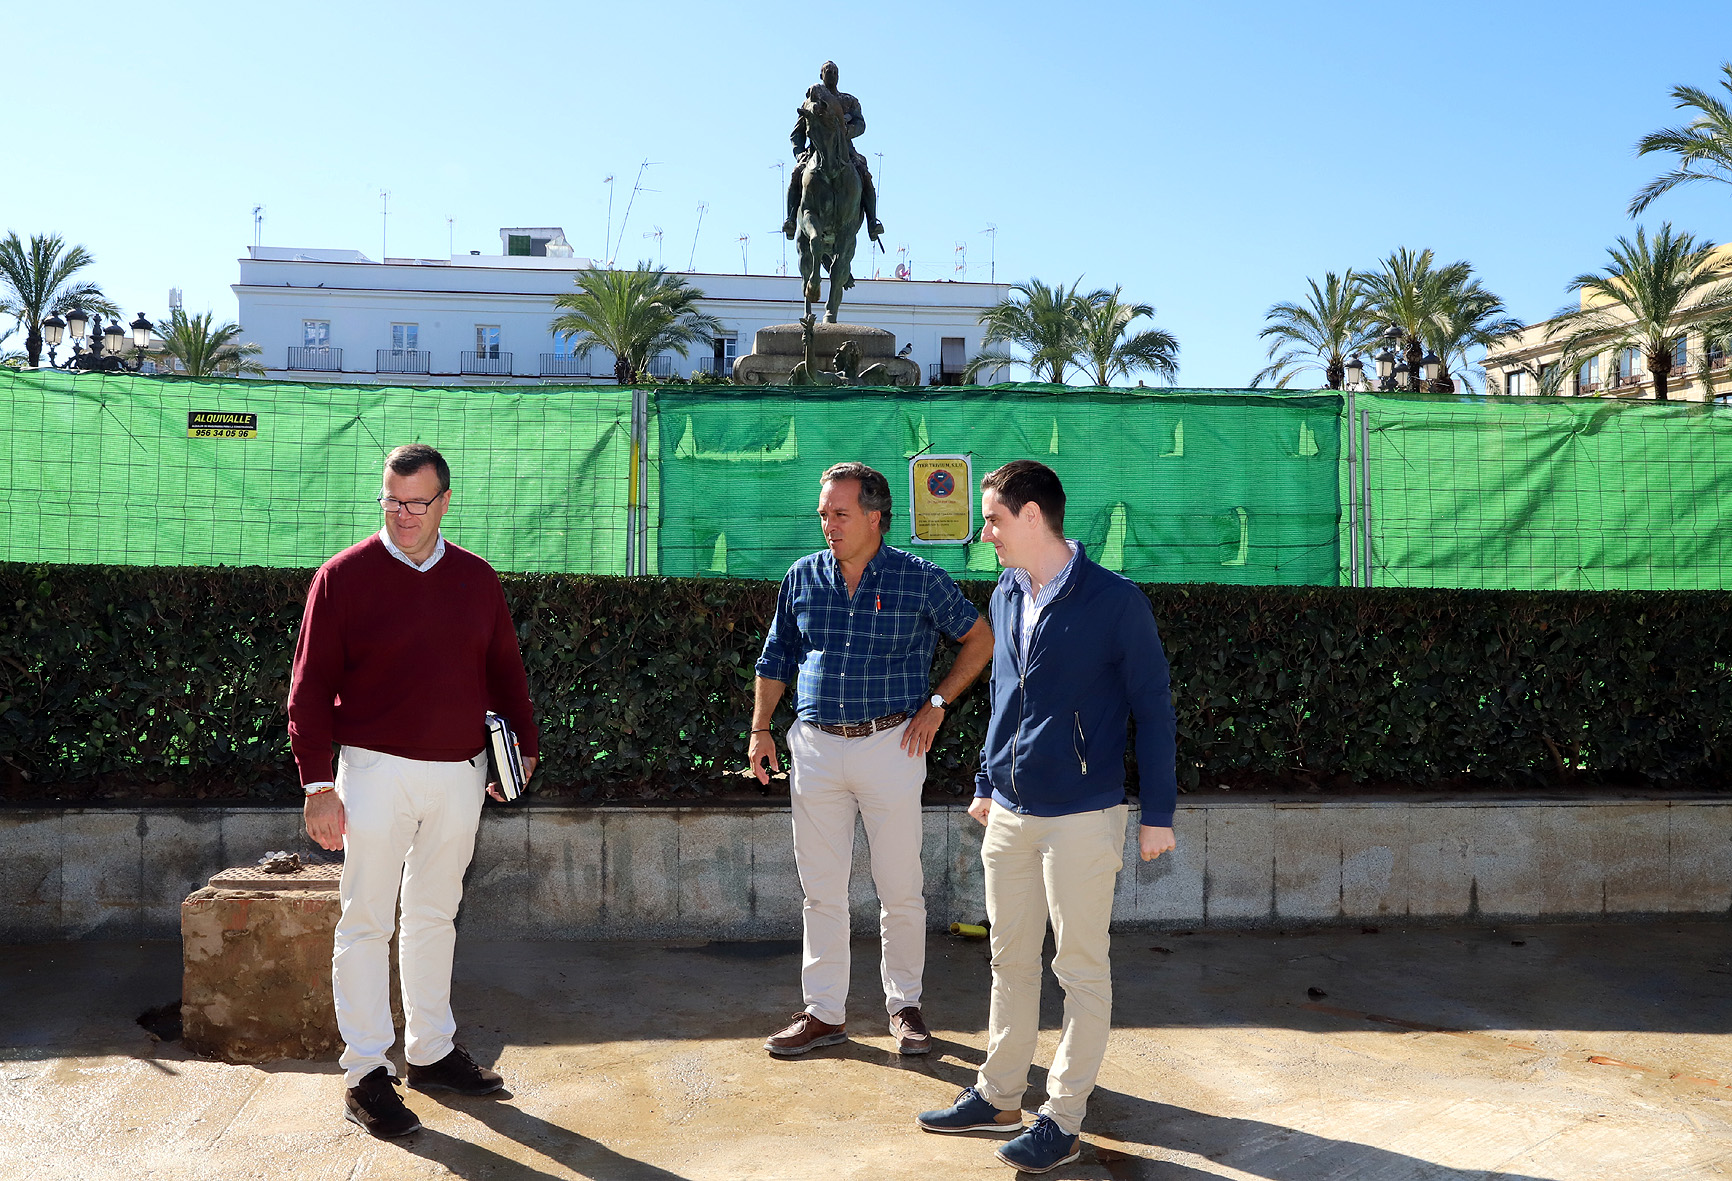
(405, 645)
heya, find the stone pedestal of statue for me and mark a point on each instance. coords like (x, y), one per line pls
(780, 347)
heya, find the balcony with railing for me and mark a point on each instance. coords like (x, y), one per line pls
(942, 374)
(491, 363)
(405, 361)
(319, 360)
(564, 365)
(714, 366)
(661, 367)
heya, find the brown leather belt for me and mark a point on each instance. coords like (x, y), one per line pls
(862, 729)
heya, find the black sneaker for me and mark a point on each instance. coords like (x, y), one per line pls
(374, 1105)
(455, 1072)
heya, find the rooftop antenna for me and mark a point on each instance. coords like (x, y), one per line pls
(991, 231)
(903, 270)
(636, 188)
(744, 240)
(608, 181)
(384, 220)
(877, 183)
(656, 233)
(962, 259)
(258, 226)
(450, 235)
(174, 301)
(781, 167)
(702, 205)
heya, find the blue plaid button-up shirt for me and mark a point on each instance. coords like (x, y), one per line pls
(867, 656)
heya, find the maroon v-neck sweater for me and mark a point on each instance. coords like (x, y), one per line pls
(404, 661)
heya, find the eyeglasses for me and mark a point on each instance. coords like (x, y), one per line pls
(417, 508)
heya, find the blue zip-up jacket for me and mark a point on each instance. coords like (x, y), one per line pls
(1056, 742)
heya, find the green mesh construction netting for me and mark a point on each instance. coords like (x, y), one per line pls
(1169, 486)
(1549, 493)
(100, 468)
(1166, 486)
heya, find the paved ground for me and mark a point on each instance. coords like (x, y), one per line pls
(1562, 1053)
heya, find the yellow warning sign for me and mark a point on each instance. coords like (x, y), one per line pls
(941, 491)
(221, 424)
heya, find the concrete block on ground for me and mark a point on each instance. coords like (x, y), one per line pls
(1509, 858)
(256, 974)
(640, 882)
(101, 879)
(565, 872)
(1307, 862)
(30, 875)
(1169, 890)
(180, 850)
(1700, 850)
(715, 872)
(1239, 875)
(1376, 861)
(496, 886)
(1440, 859)
(777, 898)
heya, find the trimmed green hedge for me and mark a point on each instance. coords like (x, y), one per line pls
(139, 682)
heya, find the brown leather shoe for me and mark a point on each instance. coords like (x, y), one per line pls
(908, 1027)
(806, 1033)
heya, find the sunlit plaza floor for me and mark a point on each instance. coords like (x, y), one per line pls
(1559, 1052)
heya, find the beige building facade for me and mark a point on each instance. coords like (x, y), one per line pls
(1524, 362)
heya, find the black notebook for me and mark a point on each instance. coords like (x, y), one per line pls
(504, 760)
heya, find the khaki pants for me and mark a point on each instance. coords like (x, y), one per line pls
(831, 779)
(1065, 866)
(410, 833)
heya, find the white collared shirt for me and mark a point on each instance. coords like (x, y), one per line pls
(1034, 604)
(432, 559)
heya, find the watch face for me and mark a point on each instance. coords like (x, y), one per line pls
(937, 701)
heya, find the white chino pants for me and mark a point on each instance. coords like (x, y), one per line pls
(1065, 866)
(409, 829)
(831, 779)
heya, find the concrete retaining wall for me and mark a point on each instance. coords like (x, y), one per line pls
(728, 873)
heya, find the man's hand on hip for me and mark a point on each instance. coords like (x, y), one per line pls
(762, 746)
(918, 734)
(529, 762)
(323, 814)
(1155, 841)
(980, 808)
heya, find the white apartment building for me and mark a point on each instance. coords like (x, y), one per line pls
(339, 316)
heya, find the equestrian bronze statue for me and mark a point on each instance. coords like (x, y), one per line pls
(831, 192)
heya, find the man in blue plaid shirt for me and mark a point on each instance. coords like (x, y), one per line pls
(858, 621)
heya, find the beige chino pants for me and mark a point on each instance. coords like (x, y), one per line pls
(1065, 867)
(832, 779)
(410, 833)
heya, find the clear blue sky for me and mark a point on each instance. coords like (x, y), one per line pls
(1209, 157)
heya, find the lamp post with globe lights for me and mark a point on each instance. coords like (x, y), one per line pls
(104, 352)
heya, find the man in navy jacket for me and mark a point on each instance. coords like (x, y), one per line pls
(1076, 654)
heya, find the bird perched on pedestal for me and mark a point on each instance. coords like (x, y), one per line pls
(906, 349)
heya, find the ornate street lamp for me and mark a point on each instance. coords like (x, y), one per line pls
(1354, 372)
(104, 353)
(1432, 367)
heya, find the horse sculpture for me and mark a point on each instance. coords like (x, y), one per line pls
(830, 214)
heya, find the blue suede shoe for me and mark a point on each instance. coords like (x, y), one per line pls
(1042, 1148)
(970, 1113)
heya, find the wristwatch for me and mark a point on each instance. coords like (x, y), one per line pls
(937, 702)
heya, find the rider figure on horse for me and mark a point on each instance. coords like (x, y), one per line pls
(856, 122)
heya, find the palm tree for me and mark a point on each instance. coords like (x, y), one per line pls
(1317, 334)
(635, 315)
(37, 281)
(1637, 300)
(1048, 322)
(1468, 317)
(198, 348)
(1410, 294)
(1704, 148)
(1108, 349)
